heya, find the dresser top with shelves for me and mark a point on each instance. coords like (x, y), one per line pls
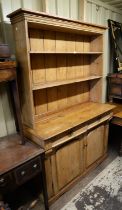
(61, 62)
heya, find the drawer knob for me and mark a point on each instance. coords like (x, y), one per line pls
(71, 133)
(2, 180)
(23, 173)
(35, 166)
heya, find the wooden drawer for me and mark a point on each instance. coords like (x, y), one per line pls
(5, 181)
(79, 130)
(116, 90)
(116, 80)
(28, 170)
(99, 121)
(69, 136)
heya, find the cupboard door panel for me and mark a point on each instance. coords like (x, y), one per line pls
(95, 145)
(69, 161)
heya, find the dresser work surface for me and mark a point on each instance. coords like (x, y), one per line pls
(60, 122)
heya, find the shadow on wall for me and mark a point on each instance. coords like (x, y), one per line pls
(6, 33)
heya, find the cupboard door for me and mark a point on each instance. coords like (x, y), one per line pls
(95, 145)
(69, 162)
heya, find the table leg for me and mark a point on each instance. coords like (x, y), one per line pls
(44, 185)
(120, 151)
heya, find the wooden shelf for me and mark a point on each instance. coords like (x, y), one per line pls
(53, 52)
(63, 82)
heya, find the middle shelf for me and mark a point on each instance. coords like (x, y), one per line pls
(68, 52)
(63, 82)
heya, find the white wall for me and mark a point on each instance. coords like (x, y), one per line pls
(7, 124)
(65, 8)
(98, 12)
(92, 11)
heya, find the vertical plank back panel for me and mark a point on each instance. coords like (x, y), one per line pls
(71, 94)
(60, 42)
(79, 93)
(40, 101)
(86, 90)
(86, 47)
(79, 43)
(38, 69)
(49, 41)
(62, 97)
(70, 42)
(79, 66)
(61, 67)
(52, 99)
(50, 66)
(86, 67)
(71, 71)
(36, 40)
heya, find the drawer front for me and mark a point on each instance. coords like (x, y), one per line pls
(28, 170)
(99, 121)
(69, 136)
(116, 80)
(116, 90)
(76, 132)
(5, 181)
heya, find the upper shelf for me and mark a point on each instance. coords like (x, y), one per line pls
(54, 52)
(63, 82)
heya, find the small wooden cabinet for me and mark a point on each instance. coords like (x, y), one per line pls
(61, 66)
(114, 86)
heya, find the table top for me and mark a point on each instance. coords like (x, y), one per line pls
(118, 115)
(13, 154)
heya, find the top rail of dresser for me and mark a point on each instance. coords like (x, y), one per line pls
(44, 20)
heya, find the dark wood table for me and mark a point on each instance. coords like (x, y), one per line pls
(117, 120)
(20, 163)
